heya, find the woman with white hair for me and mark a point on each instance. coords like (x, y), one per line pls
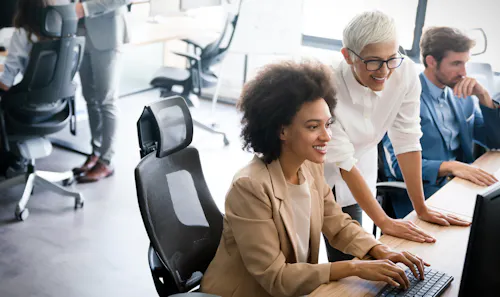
(378, 93)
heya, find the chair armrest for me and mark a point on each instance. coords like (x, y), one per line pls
(192, 42)
(194, 61)
(391, 185)
(188, 56)
(155, 263)
(194, 280)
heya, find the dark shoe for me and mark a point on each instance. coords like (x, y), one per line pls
(89, 163)
(18, 166)
(99, 171)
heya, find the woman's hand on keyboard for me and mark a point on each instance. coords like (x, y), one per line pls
(381, 270)
(384, 252)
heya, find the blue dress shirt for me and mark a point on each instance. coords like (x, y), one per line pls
(445, 116)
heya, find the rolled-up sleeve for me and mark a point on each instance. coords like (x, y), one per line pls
(405, 132)
(17, 58)
(340, 151)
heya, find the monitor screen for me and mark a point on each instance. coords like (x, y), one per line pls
(481, 272)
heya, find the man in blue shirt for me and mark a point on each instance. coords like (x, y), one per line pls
(455, 112)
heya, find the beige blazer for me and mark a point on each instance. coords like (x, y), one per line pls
(257, 254)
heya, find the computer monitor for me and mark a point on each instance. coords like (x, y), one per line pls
(481, 272)
(7, 11)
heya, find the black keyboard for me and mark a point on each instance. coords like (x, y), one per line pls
(434, 284)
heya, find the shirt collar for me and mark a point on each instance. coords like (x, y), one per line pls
(356, 90)
(433, 89)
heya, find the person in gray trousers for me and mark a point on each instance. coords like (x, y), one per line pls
(102, 22)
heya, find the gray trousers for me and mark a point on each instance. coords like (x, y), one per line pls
(335, 255)
(99, 74)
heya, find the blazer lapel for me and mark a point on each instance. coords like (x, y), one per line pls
(427, 100)
(280, 191)
(463, 134)
(315, 222)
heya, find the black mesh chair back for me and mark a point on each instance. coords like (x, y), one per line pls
(215, 51)
(43, 102)
(180, 216)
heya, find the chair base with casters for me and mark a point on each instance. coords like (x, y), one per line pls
(32, 149)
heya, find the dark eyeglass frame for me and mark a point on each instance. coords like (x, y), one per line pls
(381, 62)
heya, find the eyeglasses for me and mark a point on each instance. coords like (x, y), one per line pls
(374, 65)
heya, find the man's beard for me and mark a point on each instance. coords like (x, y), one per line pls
(442, 80)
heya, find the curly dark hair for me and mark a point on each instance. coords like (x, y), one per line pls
(272, 99)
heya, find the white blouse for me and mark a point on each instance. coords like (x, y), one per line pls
(362, 119)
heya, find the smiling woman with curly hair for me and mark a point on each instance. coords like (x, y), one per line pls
(272, 99)
(279, 204)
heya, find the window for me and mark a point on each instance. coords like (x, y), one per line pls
(327, 18)
(461, 14)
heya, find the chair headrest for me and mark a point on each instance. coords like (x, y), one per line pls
(165, 127)
(59, 21)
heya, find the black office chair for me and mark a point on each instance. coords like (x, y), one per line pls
(386, 189)
(198, 75)
(180, 216)
(43, 103)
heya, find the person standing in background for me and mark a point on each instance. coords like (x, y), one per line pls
(102, 22)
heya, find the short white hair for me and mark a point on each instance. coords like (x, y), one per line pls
(368, 28)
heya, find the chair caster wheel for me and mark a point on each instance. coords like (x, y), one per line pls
(226, 141)
(68, 182)
(23, 215)
(79, 202)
